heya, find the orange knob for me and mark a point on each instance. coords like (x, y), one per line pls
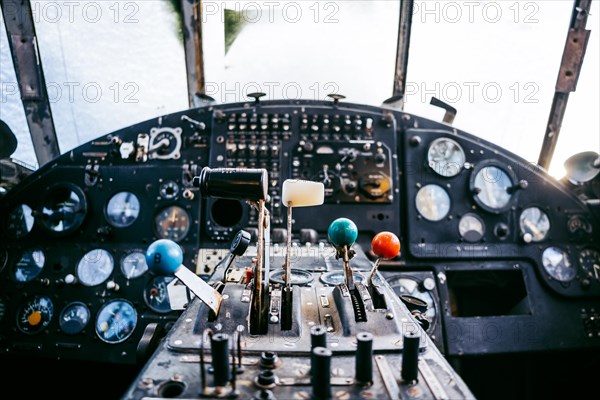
(386, 245)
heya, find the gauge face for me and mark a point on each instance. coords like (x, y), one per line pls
(20, 221)
(337, 277)
(165, 143)
(408, 286)
(95, 267)
(74, 318)
(116, 321)
(471, 227)
(156, 295)
(30, 265)
(172, 223)
(64, 209)
(446, 157)
(534, 224)
(134, 265)
(122, 209)
(589, 260)
(491, 187)
(35, 315)
(557, 264)
(433, 202)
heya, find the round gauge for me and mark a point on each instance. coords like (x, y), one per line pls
(534, 224)
(30, 265)
(299, 276)
(169, 190)
(491, 187)
(116, 321)
(408, 286)
(63, 209)
(337, 277)
(589, 260)
(471, 227)
(35, 315)
(432, 202)
(446, 157)
(156, 295)
(172, 223)
(133, 265)
(20, 221)
(95, 267)
(557, 264)
(122, 209)
(74, 318)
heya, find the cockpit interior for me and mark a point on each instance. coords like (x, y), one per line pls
(297, 249)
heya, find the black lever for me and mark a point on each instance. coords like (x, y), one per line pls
(450, 111)
(238, 247)
(233, 183)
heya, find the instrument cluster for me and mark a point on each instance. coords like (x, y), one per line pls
(73, 278)
(469, 200)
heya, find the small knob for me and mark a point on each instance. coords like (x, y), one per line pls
(336, 97)
(240, 243)
(521, 185)
(256, 96)
(342, 232)
(70, 279)
(164, 257)
(385, 245)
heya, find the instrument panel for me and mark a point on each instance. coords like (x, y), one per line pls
(473, 219)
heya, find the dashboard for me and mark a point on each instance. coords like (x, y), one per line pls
(506, 258)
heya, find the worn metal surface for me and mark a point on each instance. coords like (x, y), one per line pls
(30, 75)
(568, 74)
(192, 37)
(404, 28)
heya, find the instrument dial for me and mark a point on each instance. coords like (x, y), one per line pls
(116, 321)
(557, 264)
(534, 224)
(63, 209)
(492, 188)
(409, 286)
(172, 223)
(578, 224)
(156, 295)
(433, 202)
(122, 209)
(74, 318)
(589, 260)
(134, 265)
(446, 157)
(35, 315)
(20, 221)
(30, 265)
(95, 267)
(165, 143)
(471, 227)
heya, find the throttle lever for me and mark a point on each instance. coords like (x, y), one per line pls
(165, 257)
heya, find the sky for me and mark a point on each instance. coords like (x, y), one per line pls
(112, 64)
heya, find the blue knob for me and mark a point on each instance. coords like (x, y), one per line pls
(342, 232)
(164, 256)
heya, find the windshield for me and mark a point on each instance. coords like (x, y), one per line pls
(496, 62)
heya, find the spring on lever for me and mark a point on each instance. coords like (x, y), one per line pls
(358, 306)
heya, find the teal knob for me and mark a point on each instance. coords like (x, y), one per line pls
(164, 256)
(342, 232)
